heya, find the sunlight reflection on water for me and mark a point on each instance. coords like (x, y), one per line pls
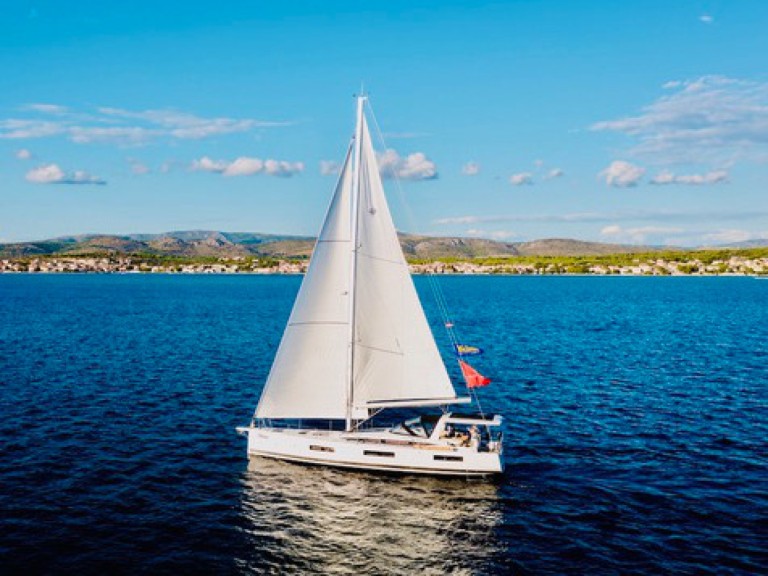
(327, 521)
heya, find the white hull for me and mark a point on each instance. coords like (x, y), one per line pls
(378, 450)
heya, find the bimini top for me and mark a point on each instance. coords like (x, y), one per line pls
(469, 419)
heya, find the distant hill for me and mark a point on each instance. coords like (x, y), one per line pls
(757, 243)
(200, 243)
(565, 247)
(184, 243)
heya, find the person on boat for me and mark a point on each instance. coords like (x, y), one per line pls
(474, 436)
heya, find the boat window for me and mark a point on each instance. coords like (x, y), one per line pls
(321, 448)
(378, 453)
(449, 458)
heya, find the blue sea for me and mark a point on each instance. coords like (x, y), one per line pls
(636, 433)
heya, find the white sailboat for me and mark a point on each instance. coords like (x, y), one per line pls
(357, 342)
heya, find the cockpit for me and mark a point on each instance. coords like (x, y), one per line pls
(421, 427)
(450, 425)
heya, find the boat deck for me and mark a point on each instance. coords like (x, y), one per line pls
(379, 449)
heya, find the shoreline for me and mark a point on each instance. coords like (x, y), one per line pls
(417, 274)
(733, 267)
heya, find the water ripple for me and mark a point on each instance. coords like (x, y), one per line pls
(636, 433)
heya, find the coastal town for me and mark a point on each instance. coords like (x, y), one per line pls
(599, 266)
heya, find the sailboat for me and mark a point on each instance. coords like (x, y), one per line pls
(357, 343)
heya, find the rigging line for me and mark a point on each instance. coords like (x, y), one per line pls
(442, 305)
(359, 423)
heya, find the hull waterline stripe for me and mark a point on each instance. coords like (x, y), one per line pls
(355, 465)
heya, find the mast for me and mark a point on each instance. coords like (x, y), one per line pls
(356, 175)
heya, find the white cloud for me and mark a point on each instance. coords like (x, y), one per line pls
(329, 167)
(23, 154)
(213, 127)
(188, 126)
(122, 127)
(415, 166)
(612, 230)
(651, 216)
(491, 234)
(731, 236)
(82, 177)
(668, 177)
(15, 129)
(470, 169)
(282, 168)
(706, 18)
(46, 174)
(521, 179)
(554, 173)
(138, 167)
(663, 177)
(245, 166)
(714, 237)
(46, 108)
(712, 119)
(637, 235)
(714, 177)
(621, 174)
(52, 174)
(605, 217)
(461, 220)
(205, 164)
(131, 136)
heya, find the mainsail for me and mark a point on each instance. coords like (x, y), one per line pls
(307, 377)
(357, 262)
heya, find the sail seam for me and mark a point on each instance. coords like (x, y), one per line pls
(384, 350)
(370, 257)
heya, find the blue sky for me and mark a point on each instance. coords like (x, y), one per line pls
(638, 122)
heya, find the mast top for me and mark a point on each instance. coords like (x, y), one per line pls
(362, 95)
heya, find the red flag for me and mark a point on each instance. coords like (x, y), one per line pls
(473, 377)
